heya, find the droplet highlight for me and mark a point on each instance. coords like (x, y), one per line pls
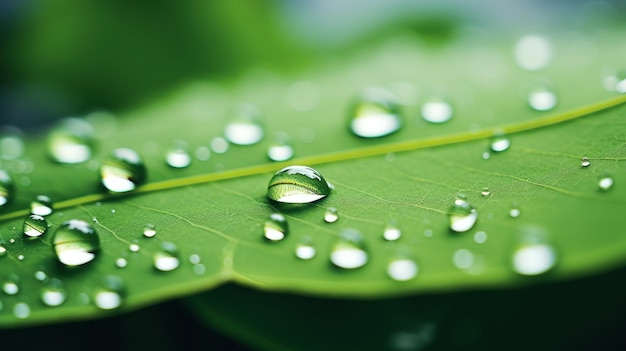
(123, 172)
(34, 226)
(276, 227)
(375, 115)
(348, 252)
(297, 185)
(75, 243)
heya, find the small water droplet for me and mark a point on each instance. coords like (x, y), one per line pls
(605, 183)
(542, 99)
(402, 269)
(12, 241)
(436, 111)
(281, 149)
(149, 231)
(35, 226)
(7, 188)
(20, 257)
(53, 294)
(275, 228)
(500, 143)
(533, 52)
(331, 215)
(3, 251)
(462, 215)
(480, 237)
(486, 155)
(203, 153)
(615, 80)
(391, 233)
(134, 247)
(463, 259)
(199, 269)
(10, 285)
(375, 115)
(245, 128)
(166, 259)
(121, 262)
(11, 143)
(21, 310)
(194, 259)
(219, 145)
(485, 192)
(178, 157)
(514, 212)
(297, 185)
(42, 206)
(123, 172)
(113, 211)
(110, 294)
(349, 250)
(75, 243)
(71, 141)
(41, 276)
(584, 162)
(428, 233)
(305, 250)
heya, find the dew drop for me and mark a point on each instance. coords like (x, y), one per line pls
(297, 185)
(534, 259)
(485, 192)
(203, 153)
(331, 215)
(21, 310)
(463, 259)
(75, 243)
(199, 269)
(10, 285)
(194, 259)
(281, 149)
(219, 145)
(620, 82)
(275, 228)
(436, 111)
(110, 294)
(35, 226)
(134, 247)
(375, 115)
(11, 143)
(462, 216)
(349, 250)
(428, 233)
(178, 157)
(486, 155)
(6, 188)
(500, 143)
(391, 233)
(166, 259)
(149, 231)
(514, 212)
(542, 99)
(42, 206)
(123, 172)
(3, 251)
(121, 262)
(305, 251)
(41, 276)
(20, 257)
(480, 237)
(71, 141)
(584, 162)
(53, 294)
(605, 183)
(245, 128)
(402, 269)
(533, 52)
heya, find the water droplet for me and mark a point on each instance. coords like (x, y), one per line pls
(500, 143)
(53, 294)
(121, 262)
(10, 285)
(331, 215)
(203, 153)
(514, 212)
(71, 141)
(297, 185)
(110, 294)
(349, 250)
(585, 162)
(485, 192)
(402, 269)
(281, 149)
(428, 233)
(605, 183)
(542, 99)
(3, 251)
(35, 226)
(486, 155)
(199, 269)
(178, 156)
(480, 237)
(42, 206)
(166, 259)
(21, 310)
(75, 243)
(123, 172)
(133, 247)
(436, 111)
(463, 259)
(219, 145)
(20, 257)
(275, 228)
(534, 259)
(113, 211)
(463, 215)
(41, 276)
(375, 115)
(245, 128)
(11, 143)
(194, 259)
(12, 241)
(533, 52)
(615, 80)
(392, 233)
(149, 231)
(6, 188)
(305, 250)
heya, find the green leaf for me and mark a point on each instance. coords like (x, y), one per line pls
(215, 209)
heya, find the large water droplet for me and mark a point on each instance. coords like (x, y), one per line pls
(331, 215)
(53, 293)
(349, 250)
(110, 294)
(245, 128)
(34, 226)
(7, 188)
(123, 172)
(392, 233)
(75, 243)
(462, 216)
(71, 141)
(533, 254)
(436, 111)
(297, 185)
(149, 231)
(402, 269)
(178, 156)
(166, 259)
(375, 115)
(500, 143)
(275, 228)
(533, 52)
(584, 162)
(605, 183)
(10, 285)
(42, 206)
(542, 99)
